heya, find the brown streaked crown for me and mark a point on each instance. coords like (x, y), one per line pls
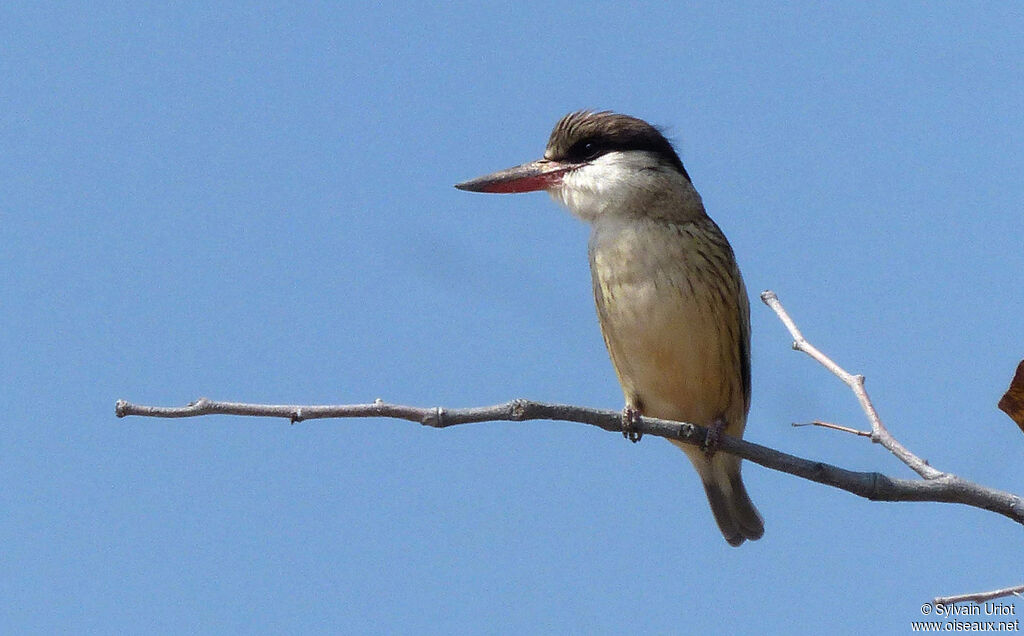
(586, 135)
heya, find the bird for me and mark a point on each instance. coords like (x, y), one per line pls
(671, 301)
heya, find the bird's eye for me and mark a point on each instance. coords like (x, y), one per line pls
(586, 150)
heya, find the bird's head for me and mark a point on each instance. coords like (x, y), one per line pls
(599, 164)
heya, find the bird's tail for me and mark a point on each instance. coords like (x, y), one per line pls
(734, 512)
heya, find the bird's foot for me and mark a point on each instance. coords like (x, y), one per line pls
(630, 422)
(714, 436)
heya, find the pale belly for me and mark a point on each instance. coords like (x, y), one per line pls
(672, 335)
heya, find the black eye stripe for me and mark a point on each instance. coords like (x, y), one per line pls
(584, 136)
(592, 148)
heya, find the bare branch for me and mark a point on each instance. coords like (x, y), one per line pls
(879, 434)
(935, 486)
(871, 485)
(979, 597)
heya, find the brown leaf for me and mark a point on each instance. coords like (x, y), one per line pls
(1013, 400)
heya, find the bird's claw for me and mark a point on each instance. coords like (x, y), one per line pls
(630, 424)
(714, 437)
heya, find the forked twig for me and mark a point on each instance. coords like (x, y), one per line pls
(879, 434)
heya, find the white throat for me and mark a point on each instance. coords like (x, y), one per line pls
(626, 184)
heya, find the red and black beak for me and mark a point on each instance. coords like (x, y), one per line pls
(543, 174)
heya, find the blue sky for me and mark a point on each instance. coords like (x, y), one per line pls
(255, 203)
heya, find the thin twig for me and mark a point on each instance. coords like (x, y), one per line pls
(879, 433)
(834, 427)
(979, 597)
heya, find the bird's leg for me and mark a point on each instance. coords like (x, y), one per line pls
(630, 420)
(714, 436)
